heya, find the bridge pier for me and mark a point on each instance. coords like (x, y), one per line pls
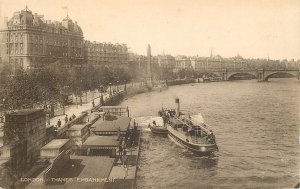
(260, 75)
(224, 75)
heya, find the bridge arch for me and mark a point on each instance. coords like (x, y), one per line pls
(231, 75)
(269, 75)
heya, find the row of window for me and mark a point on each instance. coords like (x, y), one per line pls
(106, 49)
(105, 58)
(17, 61)
(18, 37)
(107, 53)
(18, 49)
(15, 37)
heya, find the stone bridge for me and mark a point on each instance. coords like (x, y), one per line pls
(259, 74)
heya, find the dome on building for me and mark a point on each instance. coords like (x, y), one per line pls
(26, 16)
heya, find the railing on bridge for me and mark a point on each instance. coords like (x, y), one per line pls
(259, 74)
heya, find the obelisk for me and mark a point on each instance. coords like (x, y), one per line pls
(148, 74)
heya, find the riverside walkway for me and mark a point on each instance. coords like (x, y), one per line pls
(76, 109)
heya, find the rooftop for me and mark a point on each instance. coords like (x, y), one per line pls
(113, 124)
(25, 17)
(77, 169)
(101, 141)
(114, 107)
(77, 127)
(55, 143)
(24, 111)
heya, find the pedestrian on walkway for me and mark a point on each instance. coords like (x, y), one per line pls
(120, 151)
(66, 119)
(124, 144)
(58, 123)
(119, 133)
(125, 158)
(73, 116)
(93, 103)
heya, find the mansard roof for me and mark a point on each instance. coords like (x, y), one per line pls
(26, 17)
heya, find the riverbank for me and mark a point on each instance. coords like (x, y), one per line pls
(180, 81)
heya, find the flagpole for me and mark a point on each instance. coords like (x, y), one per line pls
(66, 8)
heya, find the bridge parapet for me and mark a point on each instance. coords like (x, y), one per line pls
(266, 74)
(259, 74)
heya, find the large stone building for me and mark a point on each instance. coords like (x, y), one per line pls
(106, 54)
(28, 40)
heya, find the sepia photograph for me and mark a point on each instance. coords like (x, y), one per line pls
(149, 94)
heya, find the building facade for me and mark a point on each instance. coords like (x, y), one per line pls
(166, 61)
(106, 54)
(28, 40)
(182, 62)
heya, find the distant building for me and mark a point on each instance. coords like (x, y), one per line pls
(291, 64)
(27, 127)
(182, 62)
(28, 40)
(199, 63)
(106, 54)
(166, 61)
(137, 65)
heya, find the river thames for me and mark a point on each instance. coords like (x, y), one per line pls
(256, 127)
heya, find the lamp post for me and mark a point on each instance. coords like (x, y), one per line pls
(125, 85)
(80, 92)
(110, 89)
(62, 99)
(2, 110)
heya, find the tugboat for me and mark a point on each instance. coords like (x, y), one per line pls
(189, 131)
(158, 127)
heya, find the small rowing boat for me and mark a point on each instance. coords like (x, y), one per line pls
(157, 126)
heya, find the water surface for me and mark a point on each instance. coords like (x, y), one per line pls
(256, 127)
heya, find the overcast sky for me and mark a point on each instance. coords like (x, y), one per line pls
(252, 28)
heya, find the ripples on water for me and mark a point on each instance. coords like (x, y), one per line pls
(257, 130)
